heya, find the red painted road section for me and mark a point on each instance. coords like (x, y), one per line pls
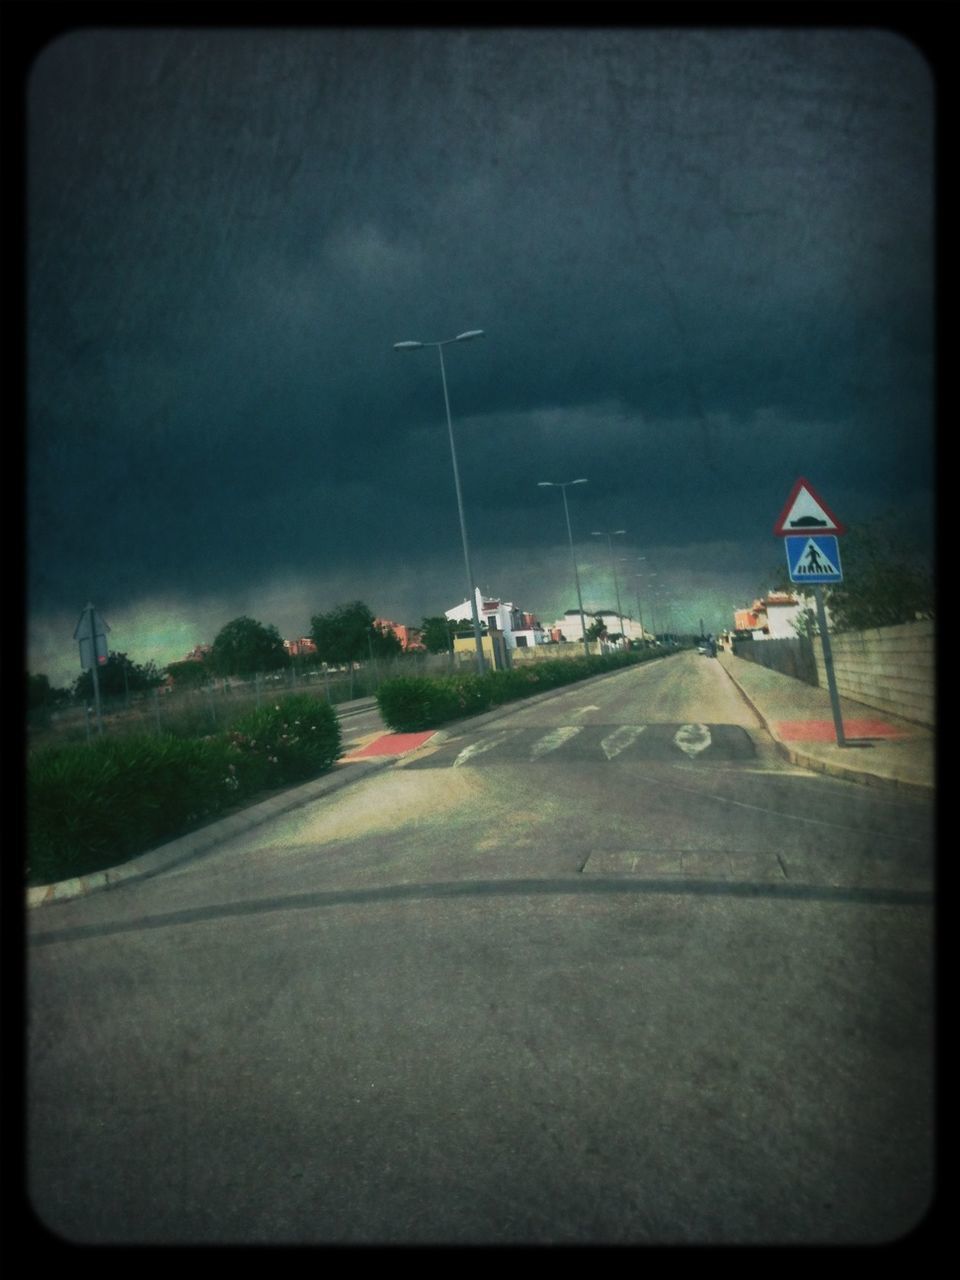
(823, 730)
(392, 744)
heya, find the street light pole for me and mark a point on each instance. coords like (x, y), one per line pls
(471, 591)
(640, 607)
(610, 535)
(550, 484)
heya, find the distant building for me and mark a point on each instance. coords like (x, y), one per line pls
(520, 630)
(772, 616)
(569, 626)
(300, 647)
(199, 653)
(411, 638)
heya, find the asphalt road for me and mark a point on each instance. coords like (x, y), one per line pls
(603, 969)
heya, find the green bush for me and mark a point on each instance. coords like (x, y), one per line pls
(289, 740)
(411, 703)
(96, 805)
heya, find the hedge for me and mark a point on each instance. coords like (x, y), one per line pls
(409, 703)
(91, 806)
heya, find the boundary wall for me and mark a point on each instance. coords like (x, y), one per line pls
(891, 668)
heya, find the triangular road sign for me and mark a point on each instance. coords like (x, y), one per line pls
(806, 512)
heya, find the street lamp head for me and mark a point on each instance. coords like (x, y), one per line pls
(546, 484)
(470, 333)
(406, 346)
(579, 481)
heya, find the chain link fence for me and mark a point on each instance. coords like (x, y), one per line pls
(210, 708)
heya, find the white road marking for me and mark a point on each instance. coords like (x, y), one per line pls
(550, 741)
(478, 748)
(622, 738)
(692, 738)
(582, 711)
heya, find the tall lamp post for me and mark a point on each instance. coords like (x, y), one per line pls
(550, 484)
(471, 591)
(638, 575)
(610, 535)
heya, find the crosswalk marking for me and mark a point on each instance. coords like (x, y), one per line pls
(616, 742)
(692, 738)
(477, 748)
(550, 741)
(608, 742)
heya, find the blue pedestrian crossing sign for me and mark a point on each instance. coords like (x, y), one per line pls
(814, 558)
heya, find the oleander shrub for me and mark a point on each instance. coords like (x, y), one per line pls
(288, 740)
(96, 805)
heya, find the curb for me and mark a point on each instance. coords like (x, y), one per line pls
(832, 768)
(197, 842)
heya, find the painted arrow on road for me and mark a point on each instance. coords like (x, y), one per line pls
(693, 738)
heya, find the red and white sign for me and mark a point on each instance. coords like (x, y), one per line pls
(806, 512)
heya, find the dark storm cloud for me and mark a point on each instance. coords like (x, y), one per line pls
(703, 261)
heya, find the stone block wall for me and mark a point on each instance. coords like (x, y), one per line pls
(890, 668)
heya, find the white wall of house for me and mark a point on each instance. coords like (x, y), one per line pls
(780, 619)
(632, 630)
(570, 628)
(505, 618)
(528, 637)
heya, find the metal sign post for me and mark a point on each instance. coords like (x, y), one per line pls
(828, 665)
(809, 530)
(91, 632)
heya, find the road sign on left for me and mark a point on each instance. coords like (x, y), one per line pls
(91, 632)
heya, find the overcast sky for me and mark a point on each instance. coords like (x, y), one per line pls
(702, 259)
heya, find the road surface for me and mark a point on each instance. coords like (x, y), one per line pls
(601, 969)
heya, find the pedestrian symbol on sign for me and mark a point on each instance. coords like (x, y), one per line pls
(813, 558)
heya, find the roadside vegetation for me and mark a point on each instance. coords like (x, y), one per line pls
(147, 755)
(410, 703)
(93, 806)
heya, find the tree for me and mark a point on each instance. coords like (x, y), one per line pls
(245, 646)
(41, 695)
(346, 634)
(885, 582)
(437, 633)
(38, 692)
(189, 674)
(384, 642)
(597, 629)
(117, 677)
(464, 626)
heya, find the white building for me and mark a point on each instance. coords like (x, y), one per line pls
(520, 630)
(782, 611)
(570, 628)
(773, 616)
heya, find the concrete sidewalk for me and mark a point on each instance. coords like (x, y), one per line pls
(881, 748)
